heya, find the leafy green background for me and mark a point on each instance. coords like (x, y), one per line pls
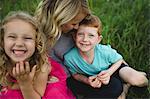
(126, 26)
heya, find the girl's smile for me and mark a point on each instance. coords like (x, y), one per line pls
(19, 40)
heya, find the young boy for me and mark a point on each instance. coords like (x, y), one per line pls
(94, 65)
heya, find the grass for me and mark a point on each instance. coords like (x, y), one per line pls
(126, 26)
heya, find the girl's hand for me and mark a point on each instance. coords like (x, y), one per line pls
(94, 82)
(104, 77)
(22, 73)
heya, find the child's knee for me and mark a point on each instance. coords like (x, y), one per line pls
(139, 81)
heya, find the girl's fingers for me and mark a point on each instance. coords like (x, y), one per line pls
(17, 69)
(22, 68)
(33, 71)
(27, 67)
(14, 71)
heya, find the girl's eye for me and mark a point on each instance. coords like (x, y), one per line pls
(10, 36)
(28, 38)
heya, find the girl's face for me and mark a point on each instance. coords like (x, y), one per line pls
(86, 39)
(19, 40)
(73, 24)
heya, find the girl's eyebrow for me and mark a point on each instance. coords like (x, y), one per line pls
(11, 33)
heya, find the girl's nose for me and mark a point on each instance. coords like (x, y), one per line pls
(19, 43)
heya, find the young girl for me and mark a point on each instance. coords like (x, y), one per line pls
(24, 65)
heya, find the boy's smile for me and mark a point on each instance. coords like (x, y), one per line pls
(86, 38)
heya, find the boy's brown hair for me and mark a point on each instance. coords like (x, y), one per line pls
(93, 21)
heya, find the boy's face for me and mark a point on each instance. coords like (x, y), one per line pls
(19, 40)
(86, 38)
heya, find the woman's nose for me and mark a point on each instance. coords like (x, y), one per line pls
(76, 26)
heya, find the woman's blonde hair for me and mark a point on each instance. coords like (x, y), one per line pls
(39, 57)
(52, 14)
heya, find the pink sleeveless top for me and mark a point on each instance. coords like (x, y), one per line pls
(56, 90)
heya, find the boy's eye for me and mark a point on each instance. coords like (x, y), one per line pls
(91, 35)
(80, 34)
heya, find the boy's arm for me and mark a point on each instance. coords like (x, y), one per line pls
(81, 78)
(104, 76)
(115, 66)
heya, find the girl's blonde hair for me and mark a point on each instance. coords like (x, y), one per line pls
(39, 57)
(52, 14)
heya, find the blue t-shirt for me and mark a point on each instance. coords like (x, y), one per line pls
(104, 56)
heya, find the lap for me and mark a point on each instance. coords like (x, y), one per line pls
(113, 89)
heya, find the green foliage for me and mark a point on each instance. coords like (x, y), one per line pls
(15, 5)
(126, 27)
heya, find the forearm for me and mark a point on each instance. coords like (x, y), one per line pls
(81, 78)
(29, 92)
(115, 66)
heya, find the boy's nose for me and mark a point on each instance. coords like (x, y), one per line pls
(85, 38)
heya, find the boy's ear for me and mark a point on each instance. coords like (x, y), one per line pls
(100, 38)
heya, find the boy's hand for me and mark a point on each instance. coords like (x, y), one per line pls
(104, 77)
(94, 82)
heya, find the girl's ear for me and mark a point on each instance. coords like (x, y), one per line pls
(99, 38)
